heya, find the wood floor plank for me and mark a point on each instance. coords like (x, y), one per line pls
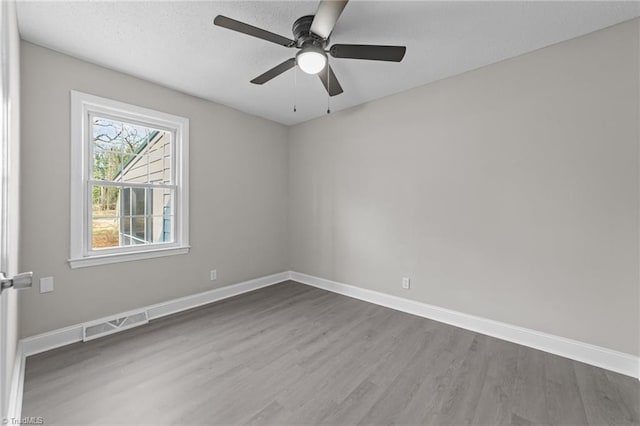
(401, 390)
(293, 354)
(354, 407)
(266, 416)
(440, 368)
(529, 401)
(459, 404)
(600, 397)
(563, 400)
(628, 392)
(495, 401)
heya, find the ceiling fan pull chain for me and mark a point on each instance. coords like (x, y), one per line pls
(295, 87)
(328, 90)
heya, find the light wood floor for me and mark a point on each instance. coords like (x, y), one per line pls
(293, 354)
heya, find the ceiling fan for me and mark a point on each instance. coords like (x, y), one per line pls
(311, 36)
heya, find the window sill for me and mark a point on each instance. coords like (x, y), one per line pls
(84, 262)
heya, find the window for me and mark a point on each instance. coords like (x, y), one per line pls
(129, 194)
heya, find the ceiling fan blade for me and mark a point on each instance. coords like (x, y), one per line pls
(326, 17)
(331, 84)
(275, 71)
(368, 51)
(241, 27)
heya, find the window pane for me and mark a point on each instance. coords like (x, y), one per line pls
(126, 238)
(129, 172)
(125, 202)
(137, 170)
(136, 206)
(105, 217)
(161, 201)
(161, 221)
(159, 170)
(104, 232)
(122, 151)
(168, 177)
(107, 165)
(106, 200)
(138, 229)
(125, 223)
(138, 201)
(162, 229)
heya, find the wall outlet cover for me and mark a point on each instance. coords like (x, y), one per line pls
(46, 284)
(406, 283)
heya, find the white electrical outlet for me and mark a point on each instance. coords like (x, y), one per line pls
(213, 275)
(46, 284)
(406, 283)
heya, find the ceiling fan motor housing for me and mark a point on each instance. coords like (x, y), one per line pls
(304, 37)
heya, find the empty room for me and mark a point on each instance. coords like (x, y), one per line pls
(323, 212)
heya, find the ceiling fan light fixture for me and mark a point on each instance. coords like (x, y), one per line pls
(311, 59)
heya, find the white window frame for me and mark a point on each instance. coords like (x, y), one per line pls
(83, 106)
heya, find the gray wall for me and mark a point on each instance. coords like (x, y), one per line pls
(238, 192)
(509, 192)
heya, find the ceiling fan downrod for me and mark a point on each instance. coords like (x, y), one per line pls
(328, 90)
(295, 88)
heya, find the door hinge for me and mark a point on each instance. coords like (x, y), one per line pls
(18, 282)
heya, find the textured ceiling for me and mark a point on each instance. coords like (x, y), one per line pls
(176, 45)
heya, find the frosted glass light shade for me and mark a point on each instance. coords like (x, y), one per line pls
(311, 60)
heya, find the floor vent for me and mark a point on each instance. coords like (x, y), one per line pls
(108, 326)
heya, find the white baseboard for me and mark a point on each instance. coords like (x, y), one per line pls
(17, 382)
(188, 302)
(608, 359)
(72, 334)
